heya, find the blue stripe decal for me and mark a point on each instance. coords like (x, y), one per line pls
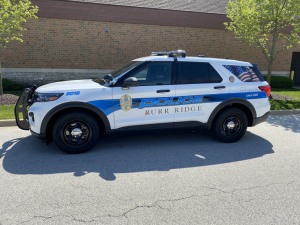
(110, 106)
(105, 105)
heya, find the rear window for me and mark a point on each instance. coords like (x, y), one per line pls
(246, 73)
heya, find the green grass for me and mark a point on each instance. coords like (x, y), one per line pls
(18, 93)
(284, 104)
(295, 93)
(7, 112)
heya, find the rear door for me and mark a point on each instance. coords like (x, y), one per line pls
(199, 90)
(149, 100)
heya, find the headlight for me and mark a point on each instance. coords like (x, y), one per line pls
(41, 97)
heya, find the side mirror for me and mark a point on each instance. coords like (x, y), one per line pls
(108, 78)
(130, 82)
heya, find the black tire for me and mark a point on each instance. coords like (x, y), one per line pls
(230, 125)
(76, 133)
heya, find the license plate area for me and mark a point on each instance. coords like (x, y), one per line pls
(21, 111)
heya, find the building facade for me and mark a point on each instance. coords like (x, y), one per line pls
(88, 38)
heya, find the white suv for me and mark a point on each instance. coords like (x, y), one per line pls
(167, 91)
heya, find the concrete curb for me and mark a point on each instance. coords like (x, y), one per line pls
(285, 112)
(7, 123)
(10, 123)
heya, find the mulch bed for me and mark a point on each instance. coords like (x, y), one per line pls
(281, 97)
(8, 99)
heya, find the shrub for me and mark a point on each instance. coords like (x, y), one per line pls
(281, 82)
(9, 85)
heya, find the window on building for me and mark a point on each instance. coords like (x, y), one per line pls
(245, 73)
(154, 74)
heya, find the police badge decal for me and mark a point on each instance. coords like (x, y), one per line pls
(126, 102)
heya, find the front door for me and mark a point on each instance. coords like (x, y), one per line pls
(296, 67)
(148, 103)
(199, 90)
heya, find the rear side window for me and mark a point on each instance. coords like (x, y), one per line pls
(257, 72)
(193, 73)
(246, 73)
(214, 76)
(197, 73)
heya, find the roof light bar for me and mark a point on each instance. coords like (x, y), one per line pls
(159, 53)
(177, 52)
(170, 53)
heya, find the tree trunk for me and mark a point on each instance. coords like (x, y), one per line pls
(270, 66)
(1, 88)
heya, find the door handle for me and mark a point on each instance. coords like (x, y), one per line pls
(220, 87)
(162, 91)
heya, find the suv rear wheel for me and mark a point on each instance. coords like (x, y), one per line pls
(76, 132)
(230, 125)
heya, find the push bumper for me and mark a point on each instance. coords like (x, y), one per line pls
(21, 108)
(260, 119)
(41, 137)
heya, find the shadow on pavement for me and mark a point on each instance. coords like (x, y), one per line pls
(127, 154)
(290, 123)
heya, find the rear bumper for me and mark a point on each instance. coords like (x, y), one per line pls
(41, 137)
(260, 119)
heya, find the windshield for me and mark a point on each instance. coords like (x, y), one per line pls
(117, 73)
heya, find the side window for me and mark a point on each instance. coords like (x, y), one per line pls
(245, 73)
(214, 76)
(193, 73)
(154, 74)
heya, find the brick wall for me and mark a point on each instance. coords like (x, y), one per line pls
(77, 44)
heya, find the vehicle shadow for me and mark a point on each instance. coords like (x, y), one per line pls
(128, 154)
(290, 123)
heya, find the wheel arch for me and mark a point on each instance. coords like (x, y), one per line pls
(53, 114)
(240, 103)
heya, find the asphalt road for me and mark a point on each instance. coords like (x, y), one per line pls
(180, 178)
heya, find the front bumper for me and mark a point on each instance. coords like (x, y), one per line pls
(260, 119)
(41, 137)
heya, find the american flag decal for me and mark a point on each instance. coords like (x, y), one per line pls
(252, 74)
(244, 73)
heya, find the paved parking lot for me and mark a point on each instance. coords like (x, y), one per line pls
(180, 178)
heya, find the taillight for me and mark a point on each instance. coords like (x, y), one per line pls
(266, 89)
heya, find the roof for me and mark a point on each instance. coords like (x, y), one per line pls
(90, 11)
(205, 6)
(195, 59)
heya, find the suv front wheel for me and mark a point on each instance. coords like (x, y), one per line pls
(230, 125)
(76, 132)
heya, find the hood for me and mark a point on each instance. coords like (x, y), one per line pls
(72, 85)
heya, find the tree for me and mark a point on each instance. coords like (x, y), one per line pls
(264, 24)
(13, 16)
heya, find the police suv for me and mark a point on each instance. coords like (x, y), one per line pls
(167, 91)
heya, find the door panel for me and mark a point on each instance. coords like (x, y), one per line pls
(205, 100)
(148, 106)
(198, 100)
(150, 100)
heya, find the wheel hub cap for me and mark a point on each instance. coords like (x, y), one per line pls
(230, 125)
(76, 132)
